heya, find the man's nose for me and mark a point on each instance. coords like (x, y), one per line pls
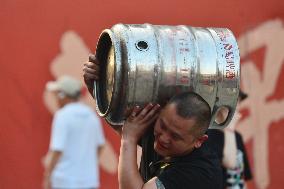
(164, 138)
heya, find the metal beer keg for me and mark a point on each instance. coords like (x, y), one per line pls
(151, 63)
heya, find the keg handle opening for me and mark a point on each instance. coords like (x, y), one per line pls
(222, 117)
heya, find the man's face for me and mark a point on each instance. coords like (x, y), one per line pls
(60, 98)
(172, 133)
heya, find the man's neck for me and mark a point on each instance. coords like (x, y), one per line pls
(69, 101)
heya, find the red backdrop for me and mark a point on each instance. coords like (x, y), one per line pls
(29, 41)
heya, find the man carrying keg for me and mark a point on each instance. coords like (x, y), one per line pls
(173, 138)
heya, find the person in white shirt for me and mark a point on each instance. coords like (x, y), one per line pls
(76, 140)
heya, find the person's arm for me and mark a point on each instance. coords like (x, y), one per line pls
(229, 160)
(247, 170)
(129, 176)
(133, 129)
(57, 145)
(50, 163)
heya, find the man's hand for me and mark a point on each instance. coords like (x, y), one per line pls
(91, 72)
(139, 121)
(134, 127)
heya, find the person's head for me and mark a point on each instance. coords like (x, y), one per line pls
(66, 89)
(181, 125)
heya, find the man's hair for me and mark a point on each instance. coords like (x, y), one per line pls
(242, 95)
(75, 96)
(190, 105)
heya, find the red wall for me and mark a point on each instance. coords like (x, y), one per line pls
(30, 32)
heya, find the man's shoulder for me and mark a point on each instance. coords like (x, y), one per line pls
(76, 108)
(200, 169)
(198, 155)
(195, 177)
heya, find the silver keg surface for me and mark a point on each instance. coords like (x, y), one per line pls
(151, 63)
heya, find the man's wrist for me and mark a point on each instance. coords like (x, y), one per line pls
(128, 140)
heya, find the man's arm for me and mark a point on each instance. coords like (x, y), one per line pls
(128, 154)
(49, 165)
(133, 129)
(129, 176)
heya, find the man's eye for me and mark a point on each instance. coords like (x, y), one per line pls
(176, 137)
(163, 127)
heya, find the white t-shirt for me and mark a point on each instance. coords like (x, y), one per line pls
(77, 133)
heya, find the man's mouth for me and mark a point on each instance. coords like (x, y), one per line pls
(161, 145)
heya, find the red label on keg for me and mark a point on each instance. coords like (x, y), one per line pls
(230, 70)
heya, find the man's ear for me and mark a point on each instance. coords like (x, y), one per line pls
(200, 140)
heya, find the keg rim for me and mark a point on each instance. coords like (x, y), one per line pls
(106, 40)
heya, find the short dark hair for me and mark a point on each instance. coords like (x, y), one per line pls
(190, 105)
(242, 95)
